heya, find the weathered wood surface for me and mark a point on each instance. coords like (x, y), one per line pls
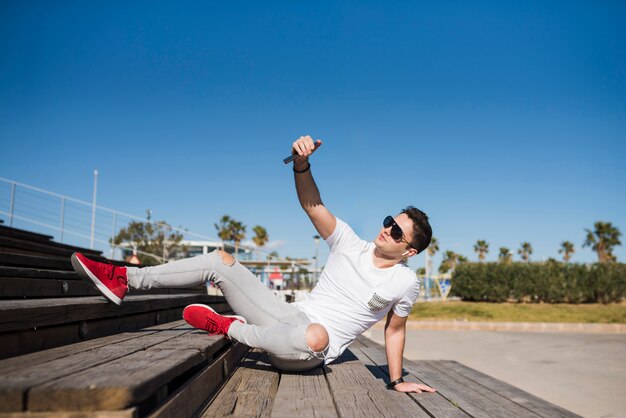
(25, 314)
(18, 375)
(36, 238)
(36, 273)
(525, 399)
(114, 376)
(190, 398)
(248, 392)
(19, 287)
(356, 391)
(303, 394)
(474, 393)
(414, 404)
(23, 260)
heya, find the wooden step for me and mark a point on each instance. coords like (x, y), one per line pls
(24, 314)
(37, 273)
(461, 391)
(32, 261)
(94, 375)
(46, 325)
(7, 231)
(10, 244)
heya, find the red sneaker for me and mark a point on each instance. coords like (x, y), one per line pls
(204, 317)
(110, 280)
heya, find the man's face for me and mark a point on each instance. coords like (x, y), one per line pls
(387, 245)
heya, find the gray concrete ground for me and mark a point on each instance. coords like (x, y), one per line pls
(584, 373)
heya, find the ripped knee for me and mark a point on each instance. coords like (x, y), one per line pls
(227, 259)
(317, 337)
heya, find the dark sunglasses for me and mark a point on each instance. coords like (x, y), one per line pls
(396, 232)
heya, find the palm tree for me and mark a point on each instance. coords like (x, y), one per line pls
(237, 233)
(525, 251)
(433, 247)
(482, 248)
(567, 249)
(260, 236)
(602, 239)
(229, 229)
(505, 255)
(223, 228)
(450, 261)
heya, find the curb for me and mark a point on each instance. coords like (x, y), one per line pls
(548, 327)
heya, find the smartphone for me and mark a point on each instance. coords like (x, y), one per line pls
(294, 156)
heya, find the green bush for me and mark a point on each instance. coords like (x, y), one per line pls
(551, 282)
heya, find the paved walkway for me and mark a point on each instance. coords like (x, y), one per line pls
(582, 372)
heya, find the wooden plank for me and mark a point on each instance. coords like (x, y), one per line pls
(20, 377)
(189, 398)
(24, 314)
(356, 391)
(41, 357)
(51, 247)
(414, 404)
(127, 413)
(8, 231)
(525, 399)
(22, 260)
(118, 384)
(248, 392)
(303, 394)
(18, 287)
(35, 273)
(28, 341)
(470, 398)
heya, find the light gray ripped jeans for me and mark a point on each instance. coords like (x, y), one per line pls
(273, 325)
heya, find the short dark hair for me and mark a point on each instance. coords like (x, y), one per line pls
(422, 232)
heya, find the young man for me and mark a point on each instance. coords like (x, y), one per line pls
(360, 284)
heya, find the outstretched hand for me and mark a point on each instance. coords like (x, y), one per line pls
(413, 387)
(305, 146)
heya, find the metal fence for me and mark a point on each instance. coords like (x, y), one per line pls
(71, 221)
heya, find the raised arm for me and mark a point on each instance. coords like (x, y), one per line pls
(308, 194)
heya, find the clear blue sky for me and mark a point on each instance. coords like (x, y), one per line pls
(504, 121)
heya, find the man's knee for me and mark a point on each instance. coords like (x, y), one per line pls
(316, 337)
(227, 259)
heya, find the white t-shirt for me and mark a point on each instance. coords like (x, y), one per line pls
(353, 294)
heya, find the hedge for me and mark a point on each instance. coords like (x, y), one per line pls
(552, 282)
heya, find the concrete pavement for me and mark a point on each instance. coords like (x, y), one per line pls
(582, 372)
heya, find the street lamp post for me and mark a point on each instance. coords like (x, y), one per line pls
(316, 239)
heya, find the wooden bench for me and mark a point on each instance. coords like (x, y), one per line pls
(69, 353)
(354, 386)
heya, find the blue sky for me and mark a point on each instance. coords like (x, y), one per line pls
(504, 122)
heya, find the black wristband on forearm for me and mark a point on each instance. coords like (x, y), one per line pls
(394, 383)
(302, 171)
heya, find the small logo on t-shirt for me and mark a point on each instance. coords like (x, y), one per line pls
(377, 303)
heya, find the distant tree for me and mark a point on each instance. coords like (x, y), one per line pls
(156, 238)
(420, 271)
(238, 234)
(273, 254)
(260, 237)
(602, 239)
(433, 247)
(223, 228)
(229, 229)
(525, 251)
(481, 247)
(450, 261)
(505, 255)
(567, 249)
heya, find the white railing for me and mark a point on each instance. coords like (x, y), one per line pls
(72, 221)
